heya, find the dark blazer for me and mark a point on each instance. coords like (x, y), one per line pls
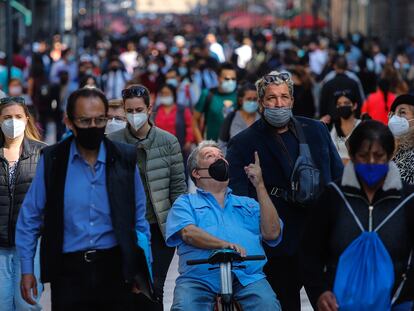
(261, 137)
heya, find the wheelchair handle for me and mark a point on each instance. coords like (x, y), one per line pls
(197, 262)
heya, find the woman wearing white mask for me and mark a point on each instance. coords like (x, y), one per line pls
(19, 153)
(162, 171)
(246, 114)
(401, 124)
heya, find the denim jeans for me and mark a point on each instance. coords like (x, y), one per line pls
(192, 295)
(10, 296)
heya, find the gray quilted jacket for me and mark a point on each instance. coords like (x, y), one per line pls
(164, 169)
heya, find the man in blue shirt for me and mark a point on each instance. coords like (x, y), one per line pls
(88, 198)
(214, 218)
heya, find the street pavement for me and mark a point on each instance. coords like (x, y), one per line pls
(168, 290)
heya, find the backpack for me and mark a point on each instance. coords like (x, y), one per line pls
(365, 273)
(305, 183)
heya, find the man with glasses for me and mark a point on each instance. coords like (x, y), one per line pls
(88, 198)
(276, 139)
(215, 104)
(160, 163)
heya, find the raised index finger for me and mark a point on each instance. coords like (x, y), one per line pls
(256, 158)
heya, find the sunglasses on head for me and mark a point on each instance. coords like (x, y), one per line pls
(134, 92)
(284, 76)
(12, 99)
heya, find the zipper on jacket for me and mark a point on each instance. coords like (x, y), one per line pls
(371, 206)
(11, 195)
(370, 209)
(148, 187)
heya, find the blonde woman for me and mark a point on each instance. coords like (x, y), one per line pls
(19, 152)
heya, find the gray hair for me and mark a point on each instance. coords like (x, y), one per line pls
(261, 84)
(192, 162)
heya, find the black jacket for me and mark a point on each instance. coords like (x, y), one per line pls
(275, 166)
(332, 229)
(10, 202)
(120, 181)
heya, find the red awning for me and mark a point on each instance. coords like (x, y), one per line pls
(250, 20)
(305, 21)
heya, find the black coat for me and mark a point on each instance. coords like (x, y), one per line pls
(332, 229)
(261, 137)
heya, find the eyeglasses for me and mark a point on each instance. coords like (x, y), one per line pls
(138, 91)
(284, 76)
(87, 122)
(12, 99)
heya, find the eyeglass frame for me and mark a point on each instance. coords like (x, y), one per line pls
(82, 120)
(12, 99)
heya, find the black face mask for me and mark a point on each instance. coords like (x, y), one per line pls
(218, 170)
(345, 112)
(90, 138)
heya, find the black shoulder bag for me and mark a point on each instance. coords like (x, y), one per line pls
(305, 184)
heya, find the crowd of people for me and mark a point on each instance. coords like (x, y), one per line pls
(260, 143)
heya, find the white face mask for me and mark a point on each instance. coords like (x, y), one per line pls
(13, 128)
(15, 90)
(114, 125)
(152, 67)
(166, 100)
(398, 125)
(137, 120)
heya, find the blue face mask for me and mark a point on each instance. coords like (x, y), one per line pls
(250, 106)
(228, 86)
(371, 174)
(182, 71)
(172, 82)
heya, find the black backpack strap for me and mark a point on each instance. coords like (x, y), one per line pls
(225, 127)
(154, 113)
(303, 145)
(180, 128)
(208, 101)
(299, 131)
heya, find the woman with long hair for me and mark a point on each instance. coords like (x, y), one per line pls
(345, 121)
(19, 153)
